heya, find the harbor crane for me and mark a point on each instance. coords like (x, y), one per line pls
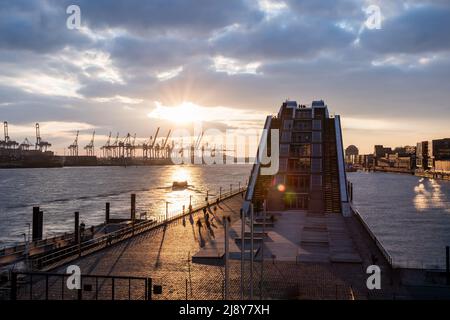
(152, 150)
(90, 150)
(73, 148)
(25, 145)
(147, 147)
(8, 143)
(41, 145)
(106, 149)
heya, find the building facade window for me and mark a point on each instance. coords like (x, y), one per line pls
(303, 150)
(317, 137)
(317, 124)
(316, 165)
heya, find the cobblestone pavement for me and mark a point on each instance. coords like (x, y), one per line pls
(164, 254)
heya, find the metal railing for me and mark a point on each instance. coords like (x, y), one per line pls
(53, 286)
(76, 250)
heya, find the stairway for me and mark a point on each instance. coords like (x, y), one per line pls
(331, 191)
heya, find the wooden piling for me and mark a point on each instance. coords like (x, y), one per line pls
(133, 207)
(77, 227)
(37, 224)
(107, 213)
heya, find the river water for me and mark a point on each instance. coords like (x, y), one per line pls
(60, 192)
(409, 215)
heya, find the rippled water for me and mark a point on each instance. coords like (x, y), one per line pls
(408, 214)
(62, 191)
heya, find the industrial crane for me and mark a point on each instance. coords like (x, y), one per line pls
(107, 147)
(8, 143)
(115, 147)
(90, 150)
(153, 144)
(40, 144)
(163, 147)
(73, 148)
(25, 145)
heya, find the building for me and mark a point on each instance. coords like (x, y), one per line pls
(381, 151)
(422, 155)
(438, 150)
(311, 172)
(351, 154)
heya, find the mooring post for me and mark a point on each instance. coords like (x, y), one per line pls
(37, 224)
(77, 227)
(227, 257)
(107, 213)
(133, 207)
(242, 251)
(252, 224)
(13, 291)
(447, 264)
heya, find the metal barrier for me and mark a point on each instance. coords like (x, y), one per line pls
(53, 286)
(95, 244)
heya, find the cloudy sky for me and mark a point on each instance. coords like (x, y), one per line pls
(135, 64)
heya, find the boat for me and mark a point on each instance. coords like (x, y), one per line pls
(179, 185)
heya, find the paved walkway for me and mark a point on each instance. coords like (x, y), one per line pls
(305, 257)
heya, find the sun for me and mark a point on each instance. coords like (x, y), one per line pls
(185, 112)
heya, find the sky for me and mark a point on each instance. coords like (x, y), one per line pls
(134, 65)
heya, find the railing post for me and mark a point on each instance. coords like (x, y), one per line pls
(112, 288)
(133, 207)
(107, 213)
(46, 286)
(447, 264)
(13, 286)
(77, 227)
(149, 288)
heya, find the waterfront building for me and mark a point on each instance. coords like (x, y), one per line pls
(422, 155)
(438, 150)
(351, 154)
(311, 172)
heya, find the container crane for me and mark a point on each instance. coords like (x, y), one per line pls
(40, 144)
(73, 148)
(90, 150)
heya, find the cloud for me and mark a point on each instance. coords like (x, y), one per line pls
(35, 26)
(417, 30)
(283, 38)
(161, 16)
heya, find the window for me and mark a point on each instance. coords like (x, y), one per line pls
(287, 124)
(317, 124)
(316, 181)
(316, 150)
(283, 165)
(317, 136)
(299, 165)
(285, 136)
(284, 150)
(279, 179)
(302, 125)
(303, 114)
(298, 183)
(316, 165)
(301, 137)
(303, 150)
